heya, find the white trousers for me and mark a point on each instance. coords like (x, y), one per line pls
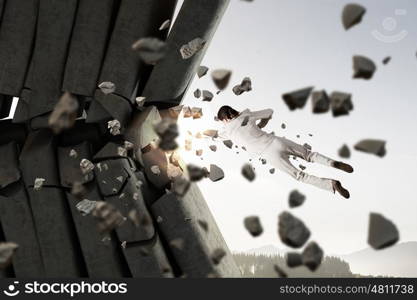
(278, 155)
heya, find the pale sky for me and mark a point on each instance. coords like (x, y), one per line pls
(284, 45)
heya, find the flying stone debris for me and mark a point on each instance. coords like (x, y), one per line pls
(248, 172)
(221, 78)
(107, 87)
(244, 86)
(352, 15)
(382, 232)
(371, 146)
(363, 67)
(188, 50)
(150, 50)
(297, 99)
(296, 199)
(292, 231)
(253, 225)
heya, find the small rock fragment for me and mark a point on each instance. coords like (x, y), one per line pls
(73, 153)
(297, 99)
(217, 255)
(272, 171)
(296, 199)
(151, 50)
(307, 146)
(386, 60)
(140, 101)
(196, 173)
(188, 146)
(133, 216)
(86, 166)
(167, 130)
(321, 102)
(371, 146)
(363, 67)
(197, 93)
(201, 71)
(123, 244)
(177, 243)
(199, 152)
(85, 207)
(312, 256)
(248, 172)
(210, 133)
(292, 230)
(382, 232)
(107, 87)
(188, 50)
(302, 167)
(165, 25)
(197, 112)
(294, 259)
(244, 86)
(213, 148)
(207, 96)
(64, 114)
(228, 144)
(216, 173)
(344, 151)
(7, 250)
(114, 126)
(187, 112)
(38, 183)
(283, 126)
(109, 217)
(78, 190)
(341, 103)
(352, 15)
(253, 225)
(155, 170)
(221, 78)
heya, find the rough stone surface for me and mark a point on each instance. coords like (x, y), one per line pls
(296, 199)
(188, 50)
(371, 146)
(312, 256)
(352, 15)
(216, 173)
(248, 172)
(253, 225)
(292, 231)
(297, 99)
(382, 232)
(363, 67)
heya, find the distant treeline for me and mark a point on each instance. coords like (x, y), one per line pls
(262, 266)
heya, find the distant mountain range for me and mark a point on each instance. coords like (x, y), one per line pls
(396, 261)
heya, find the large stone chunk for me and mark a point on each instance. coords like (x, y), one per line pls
(312, 256)
(297, 99)
(371, 146)
(341, 103)
(352, 15)
(292, 231)
(321, 102)
(253, 225)
(363, 67)
(382, 233)
(296, 199)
